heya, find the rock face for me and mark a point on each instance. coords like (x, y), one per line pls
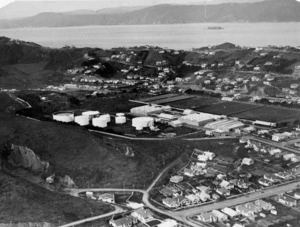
(25, 158)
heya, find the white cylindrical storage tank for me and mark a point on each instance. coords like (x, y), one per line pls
(139, 128)
(82, 120)
(120, 120)
(120, 114)
(91, 114)
(106, 117)
(99, 122)
(142, 122)
(63, 116)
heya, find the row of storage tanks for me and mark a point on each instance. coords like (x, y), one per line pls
(85, 118)
(101, 121)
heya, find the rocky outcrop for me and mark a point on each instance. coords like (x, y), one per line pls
(25, 158)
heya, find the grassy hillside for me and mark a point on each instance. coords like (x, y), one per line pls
(24, 202)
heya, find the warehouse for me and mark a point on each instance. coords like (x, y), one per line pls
(197, 120)
(224, 125)
(146, 110)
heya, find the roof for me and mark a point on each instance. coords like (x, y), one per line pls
(107, 195)
(123, 221)
(145, 213)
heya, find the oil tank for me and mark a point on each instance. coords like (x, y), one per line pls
(120, 120)
(142, 122)
(63, 116)
(91, 114)
(82, 120)
(99, 122)
(106, 117)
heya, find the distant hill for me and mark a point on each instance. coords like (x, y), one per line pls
(266, 11)
(21, 9)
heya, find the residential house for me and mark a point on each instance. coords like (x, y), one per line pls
(171, 202)
(188, 172)
(240, 209)
(193, 198)
(271, 177)
(289, 156)
(168, 223)
(223, 191)
(209, 154)
(253, 207)
(107, 198)
(226, 184)
(176, 179)
(263, 204)
(248, 161)
(278, 137)
(203, 188)
(297, 194)
(230, 212)
(206, 217)
(219, 215)
(264, 182)
(286, 200)
(203, 196)
(122, 222)
(274, 151)
(143, 215)
(166, 192)
(284, 175)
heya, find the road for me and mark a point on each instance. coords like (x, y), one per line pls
(274, 144)
(116, 211)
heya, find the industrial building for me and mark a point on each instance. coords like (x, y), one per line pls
(148, 110)
(198, 119)
(225, 125)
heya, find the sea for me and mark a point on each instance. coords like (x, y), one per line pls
(175, 36)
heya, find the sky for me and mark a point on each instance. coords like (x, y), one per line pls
(114, 3)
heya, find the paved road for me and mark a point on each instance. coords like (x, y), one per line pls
(116, 211)
(274, 144)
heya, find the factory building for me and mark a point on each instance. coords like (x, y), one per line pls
(225, 125)
(148, 110)
(197, 119)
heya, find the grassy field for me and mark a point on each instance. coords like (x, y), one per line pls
(228, 108)
(271, 114)
(193, 103)
(24, 202)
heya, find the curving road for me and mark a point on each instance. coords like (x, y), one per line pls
(116, 211)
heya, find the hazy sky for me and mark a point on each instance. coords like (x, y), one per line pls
(114, 3)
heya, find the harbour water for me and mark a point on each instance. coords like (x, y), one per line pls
(176, 36)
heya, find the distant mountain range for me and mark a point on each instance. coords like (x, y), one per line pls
(265, 11)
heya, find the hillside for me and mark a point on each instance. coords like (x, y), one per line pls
(266, 11)
(24, 202)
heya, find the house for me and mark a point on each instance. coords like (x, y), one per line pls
(288, 156)
(219, 215)
(168, 223)
(143, 215)
(201, 164)
(176, 179)
(247, 161)
(284, 175)
(188, 172)
(230, 212)
(193, 198)
(286, 200)
(271, 177)
(203, 196)
(226, 184)
(202, 158)
(166, 192)
(107, 198)
(297, 194)
(122, 222)
(253, 207)
(278, 137)
(209, 154)
(171, 202)
(296, 158)
(263, 204)
(264, 182)
(240, 209)
(203, 188)
(223, 191)
(206, 217)
(274, 151)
